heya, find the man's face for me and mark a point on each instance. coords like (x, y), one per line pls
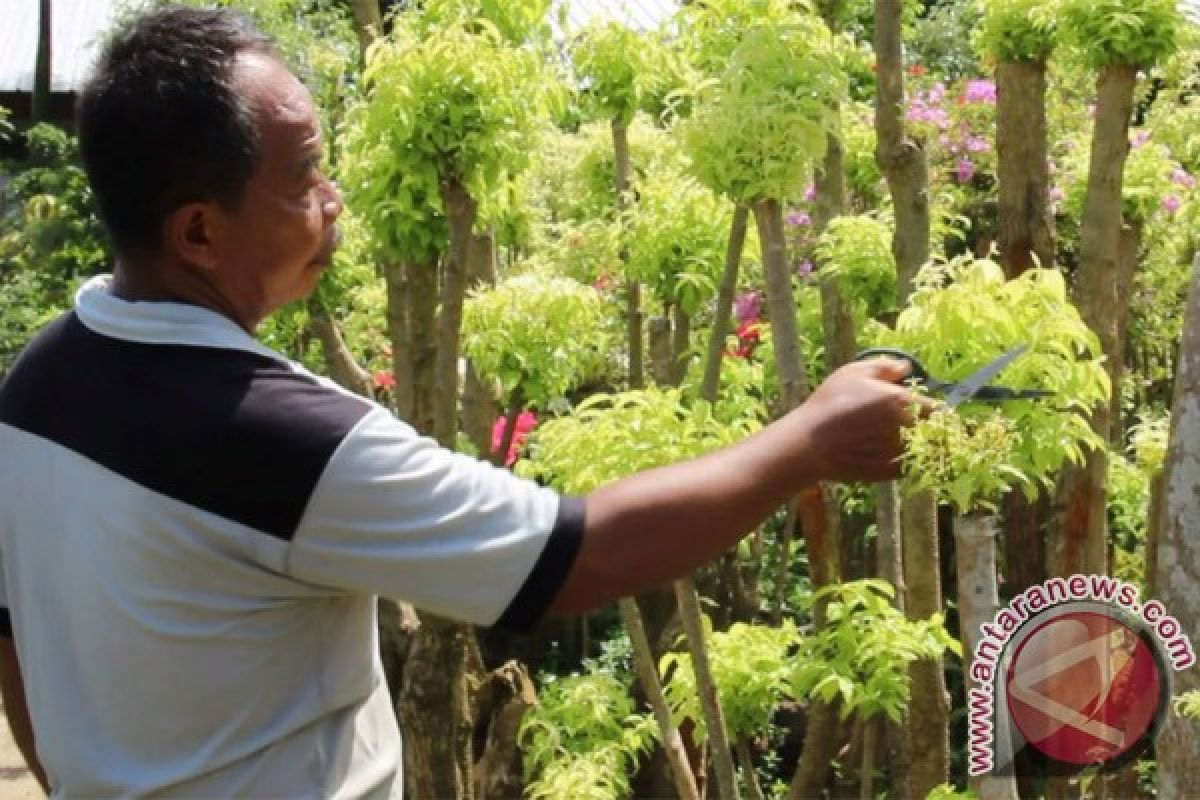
(282, 235)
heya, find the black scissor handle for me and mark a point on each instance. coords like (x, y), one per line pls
(917, 371)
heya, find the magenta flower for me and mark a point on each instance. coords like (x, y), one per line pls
(1171, 203)
(1057, 194)
(977, 144)
(980, 91)
(1139, 139)
(805, 269)
(1181, 177)
(798, 218)
(747, 307)
(964, 170)
(526, 422)
(810, 193)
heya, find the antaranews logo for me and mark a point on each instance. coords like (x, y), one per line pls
(1075, 668)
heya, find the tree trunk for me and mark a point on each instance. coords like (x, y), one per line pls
(1026, 225)
(643, 662)
(837, 315)
(901, 158)
(928, 725)
(368, 22)
(822, 741)
(1129, 252)
(724, 310)
(658, 331)
(681, 344)
(978, 602)
(435, 712)
(1080, 544)
(461, 211)
(633, 297)
(746, 759)
(501, 704)
(781, 304)
(415, 287)
(480, 406)
(43, 70)
(1178, 557)
(343, 367)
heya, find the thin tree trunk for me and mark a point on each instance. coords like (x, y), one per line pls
(343, 367)
(368, 23)
(681, 335)
(1178, 557)
(901, 158)
(890, 566)
(43, 64)
(400, 335)
(867, 779)
(928, 726)
(658, 334)
(480, 406)
(710, 701)
(786, 535)
(1025, 222)
(1080, 544)
(421, 343)
(1153, 526)
(837, 315)
(461, 211)
(746, 760)
(781, 304)
(516, 405)
(822, 741)
(1129, 252)
(643, 662)
(978, 602)
(725, 297)
(633, 297)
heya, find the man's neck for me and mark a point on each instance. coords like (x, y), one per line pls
(158, 283)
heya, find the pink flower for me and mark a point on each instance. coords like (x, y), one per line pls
(383, 380)
(1181, 177)
(810, 193)
(1139, 139)
(977, 144)
(964, 170)
(980, 91)
(1171, 203)
(526, 422)
(798, 218)
(805, 269)
(747, 307)
(1057, 194)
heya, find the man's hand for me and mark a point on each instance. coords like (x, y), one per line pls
(854, 420)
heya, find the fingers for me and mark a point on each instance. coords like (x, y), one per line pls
(892, 370)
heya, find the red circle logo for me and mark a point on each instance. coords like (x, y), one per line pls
(1084, 688)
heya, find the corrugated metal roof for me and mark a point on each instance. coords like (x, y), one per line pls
(641, 14)
(76, 25)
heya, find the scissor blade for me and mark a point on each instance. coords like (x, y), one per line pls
(966, 388)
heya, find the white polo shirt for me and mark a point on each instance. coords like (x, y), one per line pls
(193, 531)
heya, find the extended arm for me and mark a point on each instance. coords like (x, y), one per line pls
(12, 689)
(662, 524)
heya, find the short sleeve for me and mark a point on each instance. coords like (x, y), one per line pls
(6, 630)
(395, 514)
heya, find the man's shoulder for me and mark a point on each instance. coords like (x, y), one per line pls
(213, 427)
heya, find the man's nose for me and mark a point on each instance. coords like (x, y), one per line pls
(332, 204)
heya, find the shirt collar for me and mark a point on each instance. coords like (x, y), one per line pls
(160, 322)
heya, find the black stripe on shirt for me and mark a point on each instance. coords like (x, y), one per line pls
(550, 571)
(5, 624)
(234, 433)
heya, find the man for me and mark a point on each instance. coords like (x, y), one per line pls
(193, 530)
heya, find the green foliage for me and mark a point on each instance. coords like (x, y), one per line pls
(860, 657)
(676, 240)
(1146, 182)
(583, 739)
(962, 315)
(1140, 33)
(1188, 704)
(611, 436)
(863, 176)
(947, 792)
(750, 667)
(619, 69)
(711, 31)
(1128, 493)
(450, 104)
(941, 39)
(516, 22)
(1019, 30)
(536, 335)
(858, 251)
(756, 131)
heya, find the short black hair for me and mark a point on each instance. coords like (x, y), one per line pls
(161, 123)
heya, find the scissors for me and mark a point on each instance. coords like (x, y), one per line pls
(973, 387)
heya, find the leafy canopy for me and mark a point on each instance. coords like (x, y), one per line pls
(1019, 30)
(1139, 33)
(536, 335)
(962, 315)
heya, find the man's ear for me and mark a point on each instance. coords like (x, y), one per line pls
(192, 233)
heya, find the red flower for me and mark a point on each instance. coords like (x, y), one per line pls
(749, 334)
(526, 422)
(383, 380)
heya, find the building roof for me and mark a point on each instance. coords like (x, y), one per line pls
(641, 14)
(1191, 9)
(76, 28)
